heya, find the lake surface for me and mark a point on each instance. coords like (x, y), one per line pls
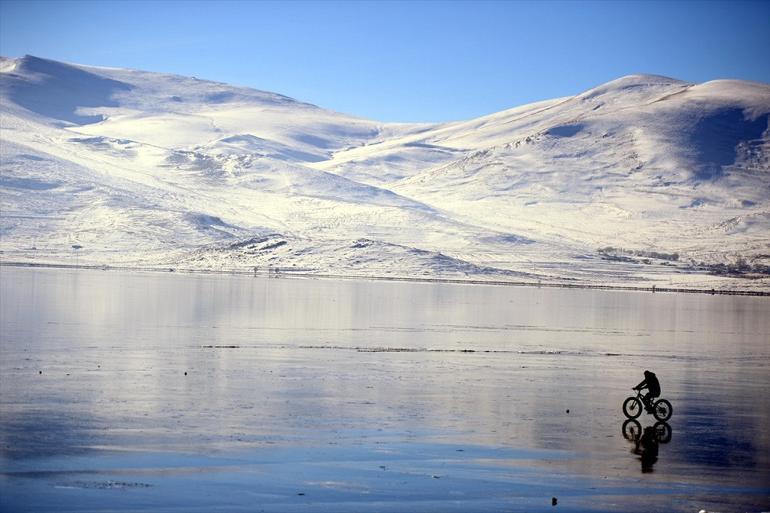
(165, 392)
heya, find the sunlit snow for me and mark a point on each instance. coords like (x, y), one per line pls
(643, 180)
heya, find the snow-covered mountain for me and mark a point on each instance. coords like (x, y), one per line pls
(643, 180)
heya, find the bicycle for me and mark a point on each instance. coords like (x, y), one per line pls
(633, 406)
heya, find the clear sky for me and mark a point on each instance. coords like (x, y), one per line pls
(402, 61)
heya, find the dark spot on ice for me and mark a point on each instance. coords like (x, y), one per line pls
(554, 500)
(103, 485)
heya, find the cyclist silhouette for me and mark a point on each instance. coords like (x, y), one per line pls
(651, 383)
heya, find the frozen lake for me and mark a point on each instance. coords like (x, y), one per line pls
(164, 392)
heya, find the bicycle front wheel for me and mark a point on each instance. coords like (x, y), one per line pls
(662, 410)
(632, 430)
(632, 407)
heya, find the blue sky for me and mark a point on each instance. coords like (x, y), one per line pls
(402, 61)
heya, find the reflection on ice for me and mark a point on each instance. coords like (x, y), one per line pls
(46, 431)
(509, 396)
(647, 440)
(720, 440)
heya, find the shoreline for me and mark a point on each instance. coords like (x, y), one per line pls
(288, 273)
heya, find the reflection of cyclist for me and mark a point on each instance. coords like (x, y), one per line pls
(647, 448)
(651, 383)
(646, 442)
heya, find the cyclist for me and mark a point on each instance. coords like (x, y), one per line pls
(651, 383)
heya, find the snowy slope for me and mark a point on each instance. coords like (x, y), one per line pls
(658, 168)
(641, 180)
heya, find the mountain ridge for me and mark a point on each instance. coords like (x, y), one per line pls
(132, 166)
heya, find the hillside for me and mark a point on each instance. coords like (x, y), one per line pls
(643, 180)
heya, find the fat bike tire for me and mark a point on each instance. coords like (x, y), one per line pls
(632, 408)
(662, 410)
(662, 432)
(632, 430)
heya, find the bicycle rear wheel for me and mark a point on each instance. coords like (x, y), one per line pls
(632, 407)
(663, 432)
(662, 410)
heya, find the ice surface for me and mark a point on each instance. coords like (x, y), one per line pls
(119, 161)
(145, 392)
